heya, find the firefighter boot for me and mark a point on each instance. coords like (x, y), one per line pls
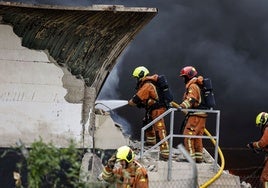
(164, 148)
(198, 150)
(198, 157)
(150, 137)
(164, 151)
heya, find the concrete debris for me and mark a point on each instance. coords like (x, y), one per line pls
(245, 185)
(150, 167)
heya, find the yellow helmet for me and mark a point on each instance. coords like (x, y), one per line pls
(140, 72)
(261, 119)
(125, 153)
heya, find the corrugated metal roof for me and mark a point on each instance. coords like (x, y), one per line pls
(86, 40)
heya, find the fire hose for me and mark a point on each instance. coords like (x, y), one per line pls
(218, 174)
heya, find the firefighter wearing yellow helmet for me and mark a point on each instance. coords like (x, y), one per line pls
(140, 72)
(261, 119)
(130, 173)
(262, 144)
(147, 97)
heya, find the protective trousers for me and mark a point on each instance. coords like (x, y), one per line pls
(195, 125)
(160, 128)
(264, 174)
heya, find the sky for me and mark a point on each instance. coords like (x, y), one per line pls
(226, 41)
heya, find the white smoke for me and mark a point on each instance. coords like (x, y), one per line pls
(111, 86)
(109, 93)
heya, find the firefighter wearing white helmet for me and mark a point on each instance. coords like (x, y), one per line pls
(147, 97)
(130, 173)
(262, 144)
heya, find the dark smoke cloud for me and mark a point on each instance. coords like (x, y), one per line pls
(225, 40)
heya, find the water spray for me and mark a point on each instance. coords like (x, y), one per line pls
(109, 105)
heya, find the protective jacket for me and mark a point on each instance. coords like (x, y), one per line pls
(135, 176)
(192, 97)
(147, 97)
(263, 144)
(194, 123)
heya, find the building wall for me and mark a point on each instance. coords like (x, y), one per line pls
(32, 97)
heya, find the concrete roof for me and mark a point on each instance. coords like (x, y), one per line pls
(85, 40)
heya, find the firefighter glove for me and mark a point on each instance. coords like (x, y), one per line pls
(111, 161)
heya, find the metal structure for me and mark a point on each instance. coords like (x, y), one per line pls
(171, 135)
(189, 158)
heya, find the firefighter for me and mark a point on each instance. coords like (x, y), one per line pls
(194, 122)
(262, 144)
(147, 97)
(128, 173)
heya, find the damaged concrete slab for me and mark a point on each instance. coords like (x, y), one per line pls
(85, 40)
(54, 61)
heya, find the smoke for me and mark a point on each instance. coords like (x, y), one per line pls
(225, 40)
(123, 123)
(111, 86)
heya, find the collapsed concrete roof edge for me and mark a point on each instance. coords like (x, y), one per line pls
(85, 40)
